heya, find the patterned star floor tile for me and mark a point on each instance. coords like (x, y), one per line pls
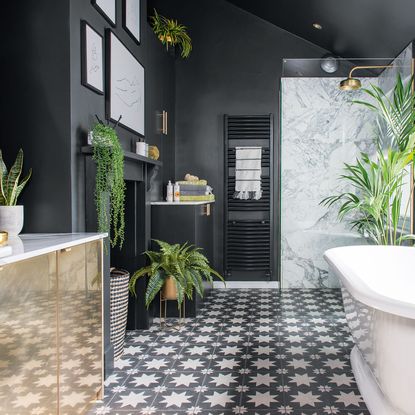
(248, 352)
(178, 400)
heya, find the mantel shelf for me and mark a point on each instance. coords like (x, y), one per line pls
(128, 155)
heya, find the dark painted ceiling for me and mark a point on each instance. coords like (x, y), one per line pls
(351, 28)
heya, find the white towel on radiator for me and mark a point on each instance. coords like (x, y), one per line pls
(248, 173)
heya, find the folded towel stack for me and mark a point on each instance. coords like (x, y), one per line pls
(203, 198)
(195, 190)
(187, 189)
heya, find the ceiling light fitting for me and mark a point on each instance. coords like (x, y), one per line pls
(317, 26)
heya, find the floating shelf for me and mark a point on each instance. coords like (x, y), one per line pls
(129, 155)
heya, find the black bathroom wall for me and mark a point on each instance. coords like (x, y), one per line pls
(47, 111)
(35, 107)
(234, 68)
(159, 93)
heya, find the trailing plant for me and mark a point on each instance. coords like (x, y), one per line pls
(10, 187)
(374, 204)
(171, 33)
(184, 263)
(109, 182)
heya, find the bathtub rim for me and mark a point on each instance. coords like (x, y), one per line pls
(361, 291)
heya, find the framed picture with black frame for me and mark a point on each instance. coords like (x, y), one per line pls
(125, 86)
(92, 58)
(107, 8)
(131, 18)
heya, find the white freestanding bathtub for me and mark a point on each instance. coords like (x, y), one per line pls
(378, 288)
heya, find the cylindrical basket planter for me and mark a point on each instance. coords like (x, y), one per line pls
(119, 309)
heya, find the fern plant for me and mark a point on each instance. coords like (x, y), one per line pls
(10, 184)
(184, 263)
(109, 182)
(171, 33)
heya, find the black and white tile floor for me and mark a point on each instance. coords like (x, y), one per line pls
(249, 352)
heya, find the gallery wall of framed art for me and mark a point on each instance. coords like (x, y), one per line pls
(111, 60)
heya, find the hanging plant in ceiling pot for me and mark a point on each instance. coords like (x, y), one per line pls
(171, 34)
(12, 214)
(109, 182)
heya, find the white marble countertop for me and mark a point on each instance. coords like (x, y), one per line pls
(188, 203)
(27, 246)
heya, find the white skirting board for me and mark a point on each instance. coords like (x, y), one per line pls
(374, 399)
(246, 284)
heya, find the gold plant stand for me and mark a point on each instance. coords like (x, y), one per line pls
(163, 314)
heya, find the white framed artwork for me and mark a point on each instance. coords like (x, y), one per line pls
(107, 8)
(131, 19)
(92, 74)
(125, 78)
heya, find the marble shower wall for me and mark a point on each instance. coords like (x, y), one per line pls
(320, 130)
(402, 64)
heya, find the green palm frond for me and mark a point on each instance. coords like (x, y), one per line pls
(396, 114)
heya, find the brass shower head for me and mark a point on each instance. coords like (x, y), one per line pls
(352, 84)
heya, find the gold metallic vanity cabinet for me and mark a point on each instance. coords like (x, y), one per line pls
(51, 332)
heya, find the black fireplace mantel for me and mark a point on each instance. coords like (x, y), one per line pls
(136, 167)
(128, 156)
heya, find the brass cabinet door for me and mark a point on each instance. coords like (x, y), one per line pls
(80, 327)
(28, 341)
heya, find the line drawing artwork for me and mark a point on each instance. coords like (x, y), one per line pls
(126, 87)
(128, 91)
(95, 63)
(93, 68)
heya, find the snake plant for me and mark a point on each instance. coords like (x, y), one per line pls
(170, 32)
(184, 263)
(10, 184)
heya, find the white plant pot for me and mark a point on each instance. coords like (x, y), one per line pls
(11, 219)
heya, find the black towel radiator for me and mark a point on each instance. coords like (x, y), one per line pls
(248, 242)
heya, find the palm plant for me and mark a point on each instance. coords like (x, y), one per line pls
(170, 32)
(375, 204)
(184, 263)
(396, 114)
